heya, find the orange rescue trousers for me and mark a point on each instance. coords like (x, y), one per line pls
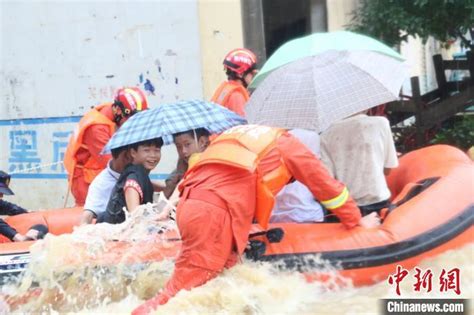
(207, 248)
(79, 189)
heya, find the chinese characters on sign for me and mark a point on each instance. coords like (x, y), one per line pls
(60, 142)
(448, 280)
(25, 152)
(102, 93)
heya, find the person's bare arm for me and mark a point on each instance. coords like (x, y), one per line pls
(86, 217)
(370, 221)
(32, 235)
(391, 154)
(170, 206)
(19, 238)
(132, 199)
(157, 186)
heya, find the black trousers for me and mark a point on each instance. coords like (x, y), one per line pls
(375, 207)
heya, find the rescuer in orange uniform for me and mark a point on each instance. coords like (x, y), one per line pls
(82, 160)
(233, 182)
(240, 66)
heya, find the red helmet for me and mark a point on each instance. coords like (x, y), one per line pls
(240, 60)
(130, 100)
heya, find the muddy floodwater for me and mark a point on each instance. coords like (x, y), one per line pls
(62, 278)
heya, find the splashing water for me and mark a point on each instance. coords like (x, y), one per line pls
(81, 273)
(96, 265)
(253, 288)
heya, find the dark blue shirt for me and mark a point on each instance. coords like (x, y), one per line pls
(8, 208)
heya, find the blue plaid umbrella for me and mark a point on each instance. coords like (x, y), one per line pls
(167, 119)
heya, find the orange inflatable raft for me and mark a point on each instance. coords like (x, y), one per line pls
(432, 211)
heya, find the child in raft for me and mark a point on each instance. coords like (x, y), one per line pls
(134, 186)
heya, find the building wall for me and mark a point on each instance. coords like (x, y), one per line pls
(319, 21)
(220, 30)
(71, 55)
(339, 13)
(419, 57)
(61, 58)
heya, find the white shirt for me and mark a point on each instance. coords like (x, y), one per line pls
(295, 202)
(356, 150)
(100, 190)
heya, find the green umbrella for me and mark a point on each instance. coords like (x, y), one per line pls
(317, 43)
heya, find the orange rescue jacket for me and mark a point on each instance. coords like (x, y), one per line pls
(243, 147)
(224, 92)
(92, 167)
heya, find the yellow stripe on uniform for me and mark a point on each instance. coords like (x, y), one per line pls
(337, 201)
(137, 97)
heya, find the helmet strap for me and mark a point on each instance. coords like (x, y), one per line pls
(244, 74)
(124, 112)
(243, 82)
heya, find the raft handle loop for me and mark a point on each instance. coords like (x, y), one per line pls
(414, 190)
